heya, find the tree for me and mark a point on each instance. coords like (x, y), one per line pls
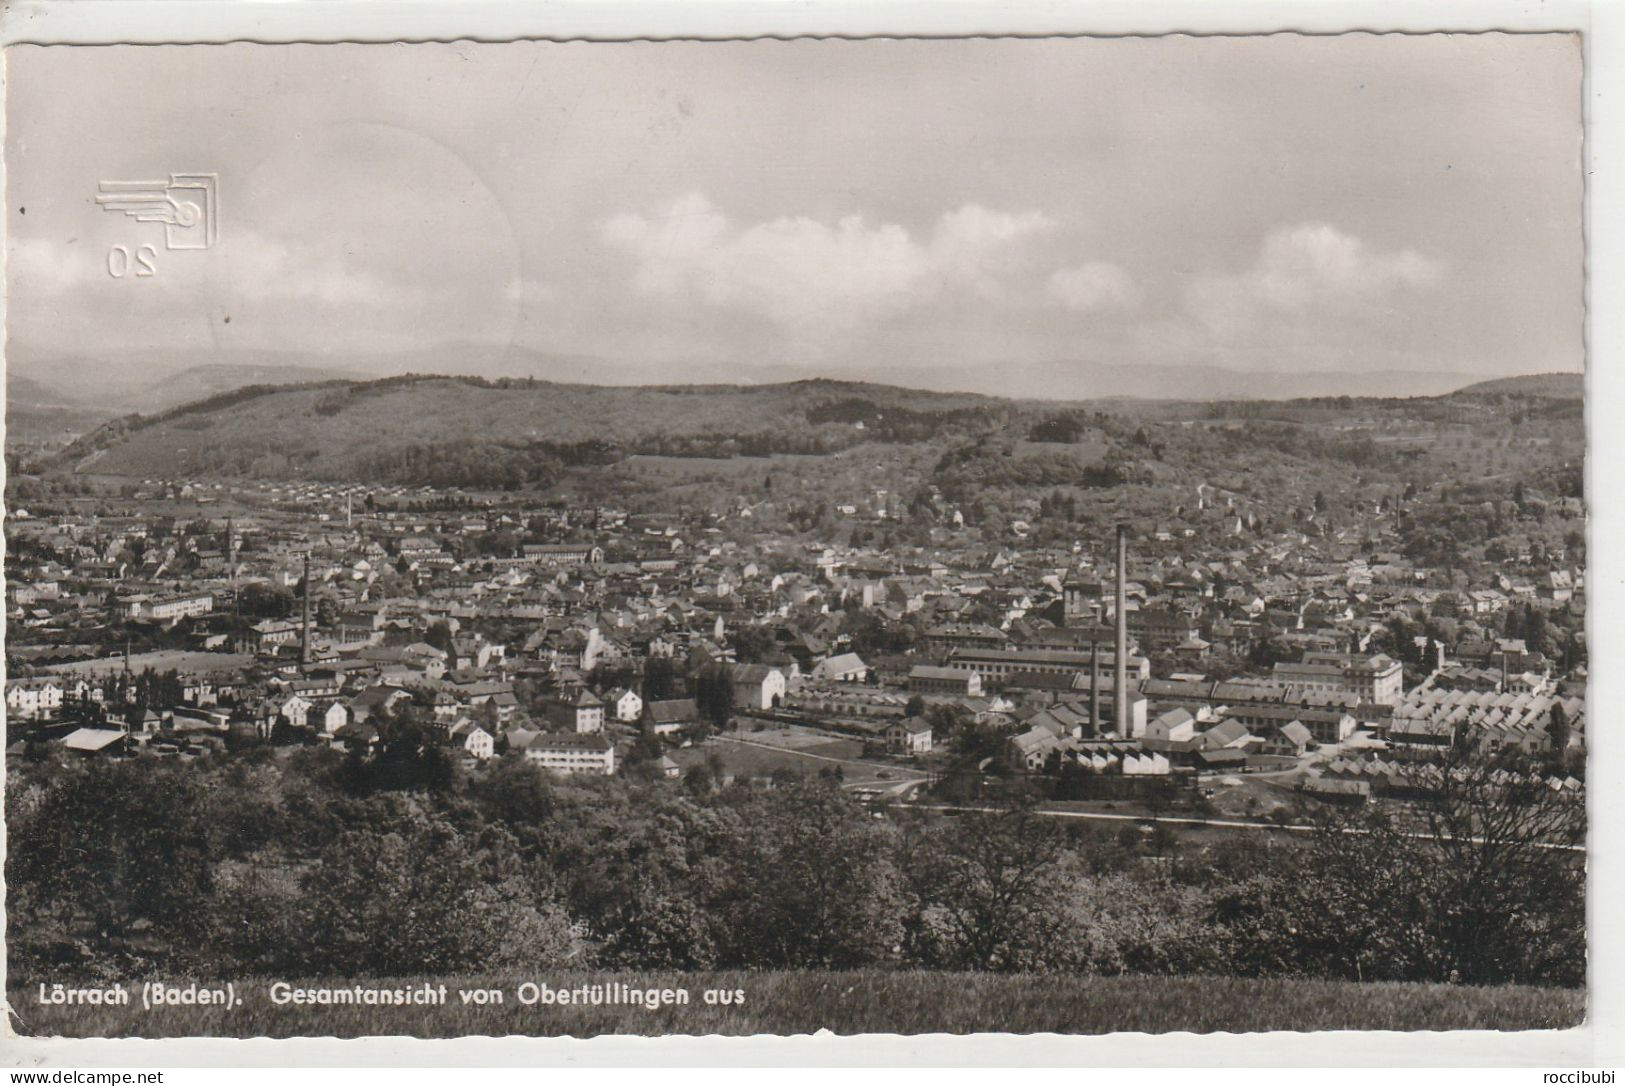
(1266, 652)
(439, 636)
(971, 741)
(259, 600)
(515, 793)
(811, 884)
(1487, 886)
(94, 888)
(988, 889)
(714, 695)
(659, 679)
(643, 756)
(418, 899)
(1557, 729)
(699, 780)
(611, 676)
(751, 643)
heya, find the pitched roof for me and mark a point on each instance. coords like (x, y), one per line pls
(568, 741)
(1225, 732)
(672, 711)
(949, 674)
(1295, 733)
(92, 739)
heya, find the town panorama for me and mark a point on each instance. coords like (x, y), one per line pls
(906, 536)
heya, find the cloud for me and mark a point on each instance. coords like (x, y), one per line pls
(41, 267)
(817, 278)
(252, 265)
(1304, 274)
(1094, 286)
(274, 270)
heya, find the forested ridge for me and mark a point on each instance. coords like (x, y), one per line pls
(521, 434)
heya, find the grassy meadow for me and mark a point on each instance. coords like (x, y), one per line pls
(847, 1003)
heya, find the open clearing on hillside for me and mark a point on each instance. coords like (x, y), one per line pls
(684, 467)
(1087, 452)
(846, 1003)
(759, 754)
(687, 468)
(186, 663)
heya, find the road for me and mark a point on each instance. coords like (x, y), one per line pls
(910, 777)
(1221, 823)
(1102, 816)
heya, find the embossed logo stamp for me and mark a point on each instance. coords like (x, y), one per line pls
(188, 206)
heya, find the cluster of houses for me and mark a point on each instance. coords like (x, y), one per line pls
(1359, 779)
(552, 619)
(1432, 716)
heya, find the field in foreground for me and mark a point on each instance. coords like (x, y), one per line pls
(844, 1003)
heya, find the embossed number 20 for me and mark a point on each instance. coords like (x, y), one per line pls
(119, 261)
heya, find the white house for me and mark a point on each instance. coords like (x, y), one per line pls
(583, 713)
(626, 705)
(479, 742)
(758, 686)
(847, 667)
(567, 752)
(1176, 725)
(30, 698)
(295, 708)
(336, 716)
(910, 736)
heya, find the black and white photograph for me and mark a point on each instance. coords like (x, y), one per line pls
(989, 535)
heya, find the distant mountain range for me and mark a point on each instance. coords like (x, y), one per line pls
(154, 381)
(151, 384)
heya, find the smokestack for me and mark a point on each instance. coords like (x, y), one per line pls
(304, 620)
(231, 560)
(1120, 685)
(1094, 686)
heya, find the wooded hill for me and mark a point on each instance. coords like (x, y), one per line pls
(517, 433)
(472, 431)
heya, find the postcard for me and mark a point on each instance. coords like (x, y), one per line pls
(1000, 535)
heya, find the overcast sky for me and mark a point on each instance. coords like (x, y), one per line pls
(1280, 204)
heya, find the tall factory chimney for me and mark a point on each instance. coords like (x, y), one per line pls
(231, 560)
(1120, 682)
(304, 620)
(1094, 686)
